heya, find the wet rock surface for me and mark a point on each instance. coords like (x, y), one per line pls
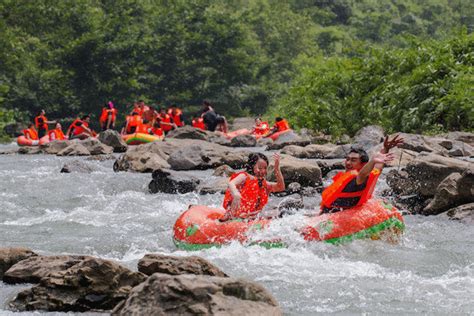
(113, 139)
(163, 294)
(156, 263)
(11, 256)
(243, 141)
(172, 182)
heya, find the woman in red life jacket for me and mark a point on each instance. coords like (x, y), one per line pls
(41, 123)
(166, 123)
(133, 122)
(57, 133)
(108, 116)
(261, 128)
(79, 129)
(248, 191)
(198, 122)
(30, 132)
(356, 185)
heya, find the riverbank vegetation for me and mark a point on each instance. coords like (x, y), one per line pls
(329, 65)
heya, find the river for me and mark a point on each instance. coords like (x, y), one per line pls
(111, 215)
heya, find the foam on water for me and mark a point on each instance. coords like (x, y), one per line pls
(111, 215)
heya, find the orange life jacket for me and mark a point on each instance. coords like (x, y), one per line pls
(72, 126)
(254, 197)
(282, 125)
(134, 120)
(142, 128)
(79, 129)
(262, 128)
(157, 131)
(56, 134)
(165, 119)
(199, 123)
(105, 115)
(177, 118)
(30, 133)
(341, 180)
(43, 124)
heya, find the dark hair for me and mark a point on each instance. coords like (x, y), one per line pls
(278, 119)
(364, 157)
(206, 103)
(252, 161)
(85, 116)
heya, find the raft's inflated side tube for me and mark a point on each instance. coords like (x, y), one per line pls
(140, 138)
(243, 131)
(365, 221)
(23, 141)
(278, 134)
(199, 228)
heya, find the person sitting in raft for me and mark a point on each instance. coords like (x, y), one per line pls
(41, 123)
(56, 133)
(260, 128)
(356, 185)
(166, 122)
(177, 115)
(132, 122)
(248, 191)
(108, 116)
(79, 129)
(30, 132)
(212, 120)
(198, 122)
(280, 125)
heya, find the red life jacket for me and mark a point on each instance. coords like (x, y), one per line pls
(262, 128)
(199, 123)
(177, 118)
(79, 129)
(341, 180)
(157, 131)
(254, 197)
(56, 134)
(42, 124)
(134, 121)
(282, 125)
(72, 127)
(165, 119)
(30, 133)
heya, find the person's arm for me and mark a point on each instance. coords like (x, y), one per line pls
(280, 182)
(234, 191)
(377, 160)
(387, 145)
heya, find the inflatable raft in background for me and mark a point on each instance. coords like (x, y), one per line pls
(23, 141)
(140, 138)
(199, 227)
(245, 131)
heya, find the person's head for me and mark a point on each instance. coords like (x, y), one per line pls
(31, 125)
(257, 165)
(356, 159)
(141, 103)
(110, 105)
(206, 104)
(86, 118)
(278, 119)
(163, 111)
(258, 120)
(134, 113)
(42, 112)
(58, 125)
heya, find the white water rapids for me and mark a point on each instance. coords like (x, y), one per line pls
(111, 215)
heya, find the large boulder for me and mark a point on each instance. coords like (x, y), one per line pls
(419, 143)
(235, 159)
(243, 141)
(29, 150)
(368, 137)
(213, 186)
(288, 138)
(328, 165)
(465, 137)
(95, 147)
(74, 149)
(188, 132)
(456, 189)
(33, 269)
(140, 162)
(55, 146)
(113, 139)
(78, 166)
(11, 256)
(172, 182)
(311, 151)
(157, 263)
(463, 213)
(223, 171)
(339, 152)
(190, 158)
(163, 294)
(306, 173)
(402, 157)
(91, 284)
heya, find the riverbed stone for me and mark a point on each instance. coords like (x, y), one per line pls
(95, 147)
(74, 149)
(188, 132)
(77, 166)
(243, 141)
(91, 284)
(164, 294)
(11, 256)
(465, 137)
(464, 213)
(223, 171)
(29, 150)
(368, 137)
(113, 139)
(213, 186)
(55, 146)
(288, 138)
(306, 173)
(174, 265)
(172, 182)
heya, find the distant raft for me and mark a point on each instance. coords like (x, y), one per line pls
(245, 131)
(23, 141)
(199, 227)
(140, 138)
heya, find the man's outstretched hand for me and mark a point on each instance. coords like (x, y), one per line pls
(391, 143)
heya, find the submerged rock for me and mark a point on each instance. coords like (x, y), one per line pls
(153, 263)
(78, 166)
(11, 256)
(172, 182)
(163, 294)
(91, 284)
(463, 213)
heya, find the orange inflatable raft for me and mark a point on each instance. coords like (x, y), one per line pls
(199, 227)
(23, 141)
(245, 131)
(140, 138)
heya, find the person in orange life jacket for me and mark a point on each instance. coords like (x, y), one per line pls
(248, 191)
(41, 123)
(280, 125)
(57, 133)
(356, 185)
(132, 123)
(166, 122)
(212, 120)
(198, 122)
(156, 130)
(260, 128)
(30, 132)
(108, 116)
(79, 129)
(177, 115)
(149, 116)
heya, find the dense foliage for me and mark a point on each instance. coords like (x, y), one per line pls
(69, 57)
